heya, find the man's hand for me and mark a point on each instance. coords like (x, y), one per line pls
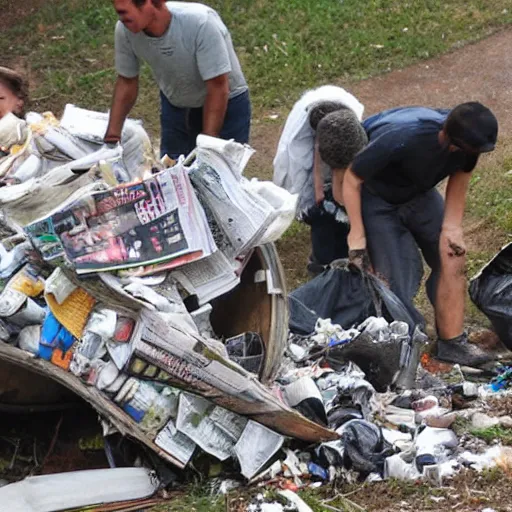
(359, 258)
(357, 253)
(319, 196)
(356, 241)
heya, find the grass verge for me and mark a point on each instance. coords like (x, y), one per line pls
(284, 45)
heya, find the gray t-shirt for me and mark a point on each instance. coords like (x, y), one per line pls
(196, 47)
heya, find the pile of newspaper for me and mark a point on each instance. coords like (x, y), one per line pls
(95, 287)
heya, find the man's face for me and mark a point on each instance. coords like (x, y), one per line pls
(9, 102)
(134, 18)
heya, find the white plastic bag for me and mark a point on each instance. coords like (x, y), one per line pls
(284, 204)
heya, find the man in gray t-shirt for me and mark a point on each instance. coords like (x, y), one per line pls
(190, 52)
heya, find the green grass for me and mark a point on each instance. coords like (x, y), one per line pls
(284, 45)
(490, 193)
(196, 501)
(493, 434)
(193, 503)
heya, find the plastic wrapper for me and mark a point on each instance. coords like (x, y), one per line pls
(284, 204)
(77, 489)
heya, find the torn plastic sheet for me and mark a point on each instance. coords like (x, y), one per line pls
(347, 388)
(304, 395)
(481, 461)
(362, 447)
(62, 491)
(491, 291)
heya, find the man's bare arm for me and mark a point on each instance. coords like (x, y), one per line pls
(125, 96)
(352, 201)
(451, 288)
(215, 105)
(455, 203)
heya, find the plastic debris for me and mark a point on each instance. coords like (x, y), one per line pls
(62, 491)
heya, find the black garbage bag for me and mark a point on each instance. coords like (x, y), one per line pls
(347, 296)
(302, 319)
(491, 291)
(365, 448)
(379, 361)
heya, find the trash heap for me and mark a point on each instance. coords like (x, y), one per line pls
(397, 414)
(109, 292)
(113, 269)
(41, 150)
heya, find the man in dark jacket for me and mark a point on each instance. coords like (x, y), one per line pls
(395, 209)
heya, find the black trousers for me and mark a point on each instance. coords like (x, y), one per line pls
(395, 235)
(328, 236)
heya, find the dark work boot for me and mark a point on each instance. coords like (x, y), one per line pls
(459, 351)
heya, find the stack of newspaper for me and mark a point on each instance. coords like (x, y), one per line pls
(242, 215)
(158, 223)
(203, 217)
(220, 433)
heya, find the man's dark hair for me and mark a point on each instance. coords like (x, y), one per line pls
(15, 83)
(140, 3)
(340, 137)
(472, 126)
(321, 109)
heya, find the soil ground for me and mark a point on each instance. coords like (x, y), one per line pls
(14, 11)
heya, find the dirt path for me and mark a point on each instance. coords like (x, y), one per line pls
(14, 11)
(481, 71)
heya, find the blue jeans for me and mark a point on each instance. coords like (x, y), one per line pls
(181, 126)
(395, 235)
